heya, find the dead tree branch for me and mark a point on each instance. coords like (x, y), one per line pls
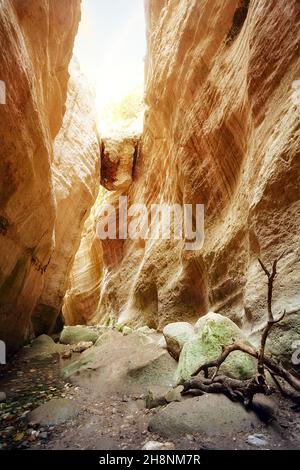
(271, 321)
(244, 390)
(270, 363)
(239, 390)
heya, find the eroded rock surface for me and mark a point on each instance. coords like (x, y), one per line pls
(34, 67)
(118, 157)
(221, 129)
(83, 295)
(75, 169)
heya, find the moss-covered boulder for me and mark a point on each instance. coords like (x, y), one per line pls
(176, 335)
(43, 348)
(212, 332)
(77, 334)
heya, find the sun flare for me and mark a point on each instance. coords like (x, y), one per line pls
(111, 47)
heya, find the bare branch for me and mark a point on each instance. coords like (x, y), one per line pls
(269, 362)
(263, 267)
(245, 389)
(271, 321)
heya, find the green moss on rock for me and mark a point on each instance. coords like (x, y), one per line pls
(77, 334)
(213, 331)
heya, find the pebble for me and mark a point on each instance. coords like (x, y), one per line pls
(66, 354)
(44, 435)
(8, 431)
(24, 445)
(129, 417)
(2, 397)
(257, 440)
(82, 346)
(155, 445)
(124, 426)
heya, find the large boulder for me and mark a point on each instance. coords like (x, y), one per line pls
(176, 335)
(122, 364)
(77, 334)
(212, 332)
(108, 336)
(53, 412)
(208, 415)
(42, 348)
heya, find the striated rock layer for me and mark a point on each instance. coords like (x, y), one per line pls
(83, 302)
(222, 128)
(83, 294)
(75, 176)
(36, 46)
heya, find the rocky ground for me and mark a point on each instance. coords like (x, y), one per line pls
(53, 398)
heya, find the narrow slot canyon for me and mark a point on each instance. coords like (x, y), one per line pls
(149, 222)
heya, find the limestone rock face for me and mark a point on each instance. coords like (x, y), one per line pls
(221, 129)
(36, 46)
(75, 169)
(83, 302)
(118, 157)
(42, 348)
(83, 294)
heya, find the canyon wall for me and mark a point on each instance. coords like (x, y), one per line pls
(75, 173)
(36, 39)
(222, 128)
(83, 301)
(83, 294)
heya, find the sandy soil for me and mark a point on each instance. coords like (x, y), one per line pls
(111, 423)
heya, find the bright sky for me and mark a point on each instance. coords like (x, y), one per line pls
(111, 47)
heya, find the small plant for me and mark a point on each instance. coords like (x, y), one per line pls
(119, 327)
(110, 322)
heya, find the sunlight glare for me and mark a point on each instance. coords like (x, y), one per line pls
(110, 47)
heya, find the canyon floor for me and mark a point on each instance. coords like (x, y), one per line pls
(117, 420)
